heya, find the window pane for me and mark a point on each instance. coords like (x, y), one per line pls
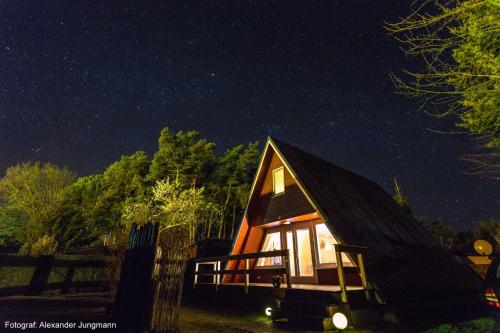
(279, 180)
(304, 253)
(326, 249)
(289, 246)
(271, 243)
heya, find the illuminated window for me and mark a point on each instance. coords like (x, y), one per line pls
(326, 248)
(272, 242)
(304, 253)
(278, 180)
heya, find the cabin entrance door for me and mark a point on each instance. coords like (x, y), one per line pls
(299, 241)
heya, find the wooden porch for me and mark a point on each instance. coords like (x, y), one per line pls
(219, 271)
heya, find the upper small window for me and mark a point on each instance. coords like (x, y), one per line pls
(278, 180)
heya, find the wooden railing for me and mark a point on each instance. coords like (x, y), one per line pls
(218, 272)
(43, 266)
(357, 252)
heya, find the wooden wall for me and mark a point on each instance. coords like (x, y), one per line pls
(267, 207)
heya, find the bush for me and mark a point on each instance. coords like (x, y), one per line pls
(45, 245)
(482, 325)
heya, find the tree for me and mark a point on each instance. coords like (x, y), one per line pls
(444, 233)
(123, 181)
(488, 230)
(229, 185)
(457, 44)
(36, 190)
(400, 198)
(13, 227)
(180, 211)
(182, 156)
(74, 220)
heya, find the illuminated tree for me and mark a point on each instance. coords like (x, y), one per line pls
(36, 190)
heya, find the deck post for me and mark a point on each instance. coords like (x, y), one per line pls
(214, 276)
(286, 259)
(217, 276)
(362, 272)
(196, 269)
(247, 276)
(340, 270)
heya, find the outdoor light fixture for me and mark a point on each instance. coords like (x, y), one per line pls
(268, 311)
(340, 320)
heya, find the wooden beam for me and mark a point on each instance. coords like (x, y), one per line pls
(352, 249)
(340, 271)
(276, 253)
(362, 272)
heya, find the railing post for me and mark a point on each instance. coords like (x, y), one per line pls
(286, 259)
(196, 269)
(340, 271)
(217, 275)
(362, 272)
(247, 276)
(40, 275)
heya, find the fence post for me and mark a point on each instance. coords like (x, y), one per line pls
(67, 279)
(247, 276)
(40, 275)
(340, 271)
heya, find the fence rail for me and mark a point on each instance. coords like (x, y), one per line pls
(43, 266)
(218, 272)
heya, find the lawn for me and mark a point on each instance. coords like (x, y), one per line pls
(221, 320)
(196, 319)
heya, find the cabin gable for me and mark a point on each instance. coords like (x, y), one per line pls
(268, 207)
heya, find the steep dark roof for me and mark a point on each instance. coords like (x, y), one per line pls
(404, 262)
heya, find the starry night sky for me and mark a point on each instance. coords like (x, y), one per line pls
(83, 82)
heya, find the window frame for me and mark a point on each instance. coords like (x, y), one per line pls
(281, 168)
(316, 250)
(260, 250)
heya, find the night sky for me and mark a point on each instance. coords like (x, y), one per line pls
(83, 82)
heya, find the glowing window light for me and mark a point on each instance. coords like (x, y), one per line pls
(268, 311)
(340, 320)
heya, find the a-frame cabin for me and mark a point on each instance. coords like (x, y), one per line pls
(311, 208)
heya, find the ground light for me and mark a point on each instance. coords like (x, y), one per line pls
(268, 311)
(340, 320)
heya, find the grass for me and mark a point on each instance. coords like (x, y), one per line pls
(15, 276)
(225, 320)
(21, 276)
(482, 325)
(198, 319)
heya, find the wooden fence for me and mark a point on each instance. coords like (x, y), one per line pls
(43, 266)
(218, 262)
(135, 296)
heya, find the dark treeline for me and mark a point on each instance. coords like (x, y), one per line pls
(46, 209)
(449, 237)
